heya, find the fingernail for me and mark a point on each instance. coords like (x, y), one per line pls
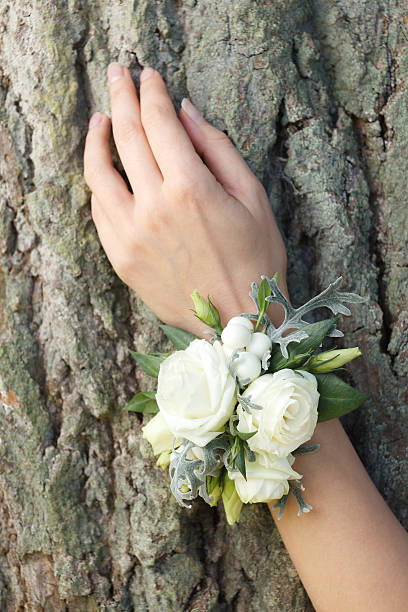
(94, 120)
(192, 111)
(115, 72)
(146, 73)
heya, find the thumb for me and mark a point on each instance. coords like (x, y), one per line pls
(218, 153)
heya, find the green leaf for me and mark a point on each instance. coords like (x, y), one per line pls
(144, 402)
(206, 312)
(245, 436)
(212, 482)
(300, 352)
(222, 479)
(150, 364)
(234, 431)
(336, 397)
(240, 461)
(263, 292)
(178, 337)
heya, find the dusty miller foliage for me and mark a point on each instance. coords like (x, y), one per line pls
(329, 298)
(192, 473)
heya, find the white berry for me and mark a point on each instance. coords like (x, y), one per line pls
(236, 335)
(247, 365)
(260, 343)
(241, 321)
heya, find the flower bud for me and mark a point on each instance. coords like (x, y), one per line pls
(236, 335)
(215, 492)
(158, 434)
(246, 365)
(195, 452)
(231, 501)
(330, 360)
(206, 311)
(164, 459)
(260, 343)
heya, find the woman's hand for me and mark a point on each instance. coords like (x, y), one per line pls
(188, 224)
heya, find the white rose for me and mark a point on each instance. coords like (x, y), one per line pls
(267, 478)
(196, 392)
(289, 411)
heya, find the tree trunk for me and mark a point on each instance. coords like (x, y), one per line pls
(314, 94)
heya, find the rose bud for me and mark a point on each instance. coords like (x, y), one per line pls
(231, 501)
(158, 434)
(330, 360)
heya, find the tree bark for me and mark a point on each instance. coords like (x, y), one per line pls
(314, 94)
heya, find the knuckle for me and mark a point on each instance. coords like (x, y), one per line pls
(126, 132)
(215, 135)
(117, 90)
(183, 188)
(155, 114)
(91, 173)
(154, 219)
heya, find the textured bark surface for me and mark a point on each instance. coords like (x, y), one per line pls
(315, 96)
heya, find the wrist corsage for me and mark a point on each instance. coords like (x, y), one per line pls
(232, 413)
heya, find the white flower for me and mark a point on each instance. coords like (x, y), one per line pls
(289, 411)
(196, 392)
(267, 478)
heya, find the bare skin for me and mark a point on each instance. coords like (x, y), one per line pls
(186, 219)
(199, 218)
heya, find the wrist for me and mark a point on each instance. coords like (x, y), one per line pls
(234, 305)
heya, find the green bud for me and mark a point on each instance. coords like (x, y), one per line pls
(206, 311)
(330, 360)
(214, 489)
(231, 501)
(158, 434)
(164, 460)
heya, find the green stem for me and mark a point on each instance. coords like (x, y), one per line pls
(261, 314)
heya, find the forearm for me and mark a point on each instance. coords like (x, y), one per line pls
(350, 551)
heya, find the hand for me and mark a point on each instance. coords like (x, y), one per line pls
(188, 224)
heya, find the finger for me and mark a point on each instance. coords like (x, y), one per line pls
(218, 152)
(130, 139)
(102, 178)
(171, 146)
(107, 234)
